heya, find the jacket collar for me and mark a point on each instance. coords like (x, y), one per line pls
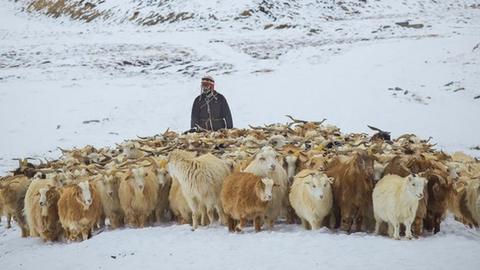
(209, 96)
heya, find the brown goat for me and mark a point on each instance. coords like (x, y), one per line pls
(12, 196)
(439, 190)
(438, 174)
(352, 190)
(79, 209)
(25, 168)
(397, 166)
(245, 197)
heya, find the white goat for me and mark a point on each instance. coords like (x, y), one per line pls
(201, 181)
(311, 197)
(395, 201)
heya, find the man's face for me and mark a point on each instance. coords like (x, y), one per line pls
(207, 85)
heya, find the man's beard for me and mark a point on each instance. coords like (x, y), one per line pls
(206, 90)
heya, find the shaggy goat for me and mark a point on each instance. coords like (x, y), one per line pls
(138, 194)
(178, 204)
(201, 180)
(12, 195)
(265, 164)
(395, 201)
(107, 187)
(245, 196)
(79, 209)
(352, 190)
(311, 197)
(41, 210)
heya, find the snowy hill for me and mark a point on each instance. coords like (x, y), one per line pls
(352, 62)
(247, 14)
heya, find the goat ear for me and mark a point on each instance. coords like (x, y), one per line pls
(331, 180)
(303, 157)
(458, 187)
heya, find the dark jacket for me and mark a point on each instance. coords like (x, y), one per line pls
(208, 112)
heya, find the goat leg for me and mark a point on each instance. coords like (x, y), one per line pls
(9, 220)
(241, 225)
(258, 224)
(231, 224)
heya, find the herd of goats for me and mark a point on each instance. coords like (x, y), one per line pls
(301, 172)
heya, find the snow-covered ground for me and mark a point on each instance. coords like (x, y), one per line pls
(287, 247)
(353, 65)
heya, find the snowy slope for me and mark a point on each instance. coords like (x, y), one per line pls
(354, 67)
(243, 14)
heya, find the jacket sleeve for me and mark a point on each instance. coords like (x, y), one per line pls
(195, 114)
(226, 113)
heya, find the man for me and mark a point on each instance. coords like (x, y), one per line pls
(210, 109)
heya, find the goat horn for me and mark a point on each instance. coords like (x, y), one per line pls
(126, 162)
(201, 128)
(90, 170)
(360, 143)
(305, 122)
(164, 149)
(99, 166)
(166, 131)
(377, 129)
(255, 128)
(63, 150)
(427, 140)
(296, 120)
(148, 151)
(46, 170)
(152, 162)
(405, 136)
(41, 161)
(321, 122)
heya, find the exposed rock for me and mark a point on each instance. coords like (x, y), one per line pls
(408, 25)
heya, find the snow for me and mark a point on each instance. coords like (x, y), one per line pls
(353, 68)
(287, 247)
